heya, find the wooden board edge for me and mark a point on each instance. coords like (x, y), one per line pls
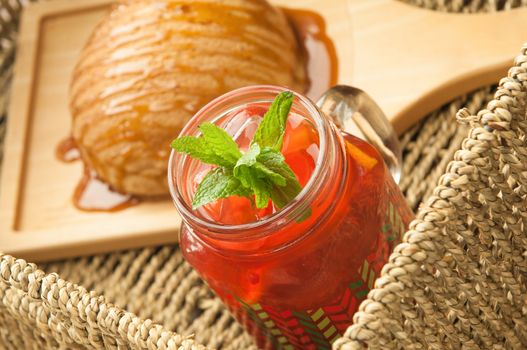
(42, 250)
(464, 84)
(17, 126)
(61, 7)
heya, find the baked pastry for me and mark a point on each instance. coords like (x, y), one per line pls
(151, 64)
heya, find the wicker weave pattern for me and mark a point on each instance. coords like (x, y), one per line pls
(459, 278)
(468, 6)
(49, 312)
(458, 282)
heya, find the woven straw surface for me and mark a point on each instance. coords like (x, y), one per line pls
(458, 282)
(468, 6)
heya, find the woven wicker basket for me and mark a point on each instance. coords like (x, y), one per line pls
(457, 282)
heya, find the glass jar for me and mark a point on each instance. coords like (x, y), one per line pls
(295, 283)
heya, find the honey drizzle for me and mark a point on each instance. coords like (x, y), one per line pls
(92, 194)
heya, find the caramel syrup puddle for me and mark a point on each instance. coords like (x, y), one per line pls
(94, 195)
(67, 151)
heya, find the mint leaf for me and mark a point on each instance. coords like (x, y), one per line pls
(282, 195)
(256, 169)
(261, 193)
(259, 186)
(197, 148)
(250, 177)
(220, 143)
(275, 162)
(218, 184)
(262, 171)
(215, 146)
(247, 160)
(270, 132)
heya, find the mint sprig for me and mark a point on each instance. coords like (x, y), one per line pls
(260, 173)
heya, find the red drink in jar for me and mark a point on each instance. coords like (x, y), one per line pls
(293, 276)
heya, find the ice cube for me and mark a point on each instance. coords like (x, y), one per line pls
(243, 124)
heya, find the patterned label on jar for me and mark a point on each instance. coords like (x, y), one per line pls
(317, 329)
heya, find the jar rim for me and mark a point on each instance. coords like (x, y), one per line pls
(292, 210)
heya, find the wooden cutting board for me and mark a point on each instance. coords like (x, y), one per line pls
(410, 60)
